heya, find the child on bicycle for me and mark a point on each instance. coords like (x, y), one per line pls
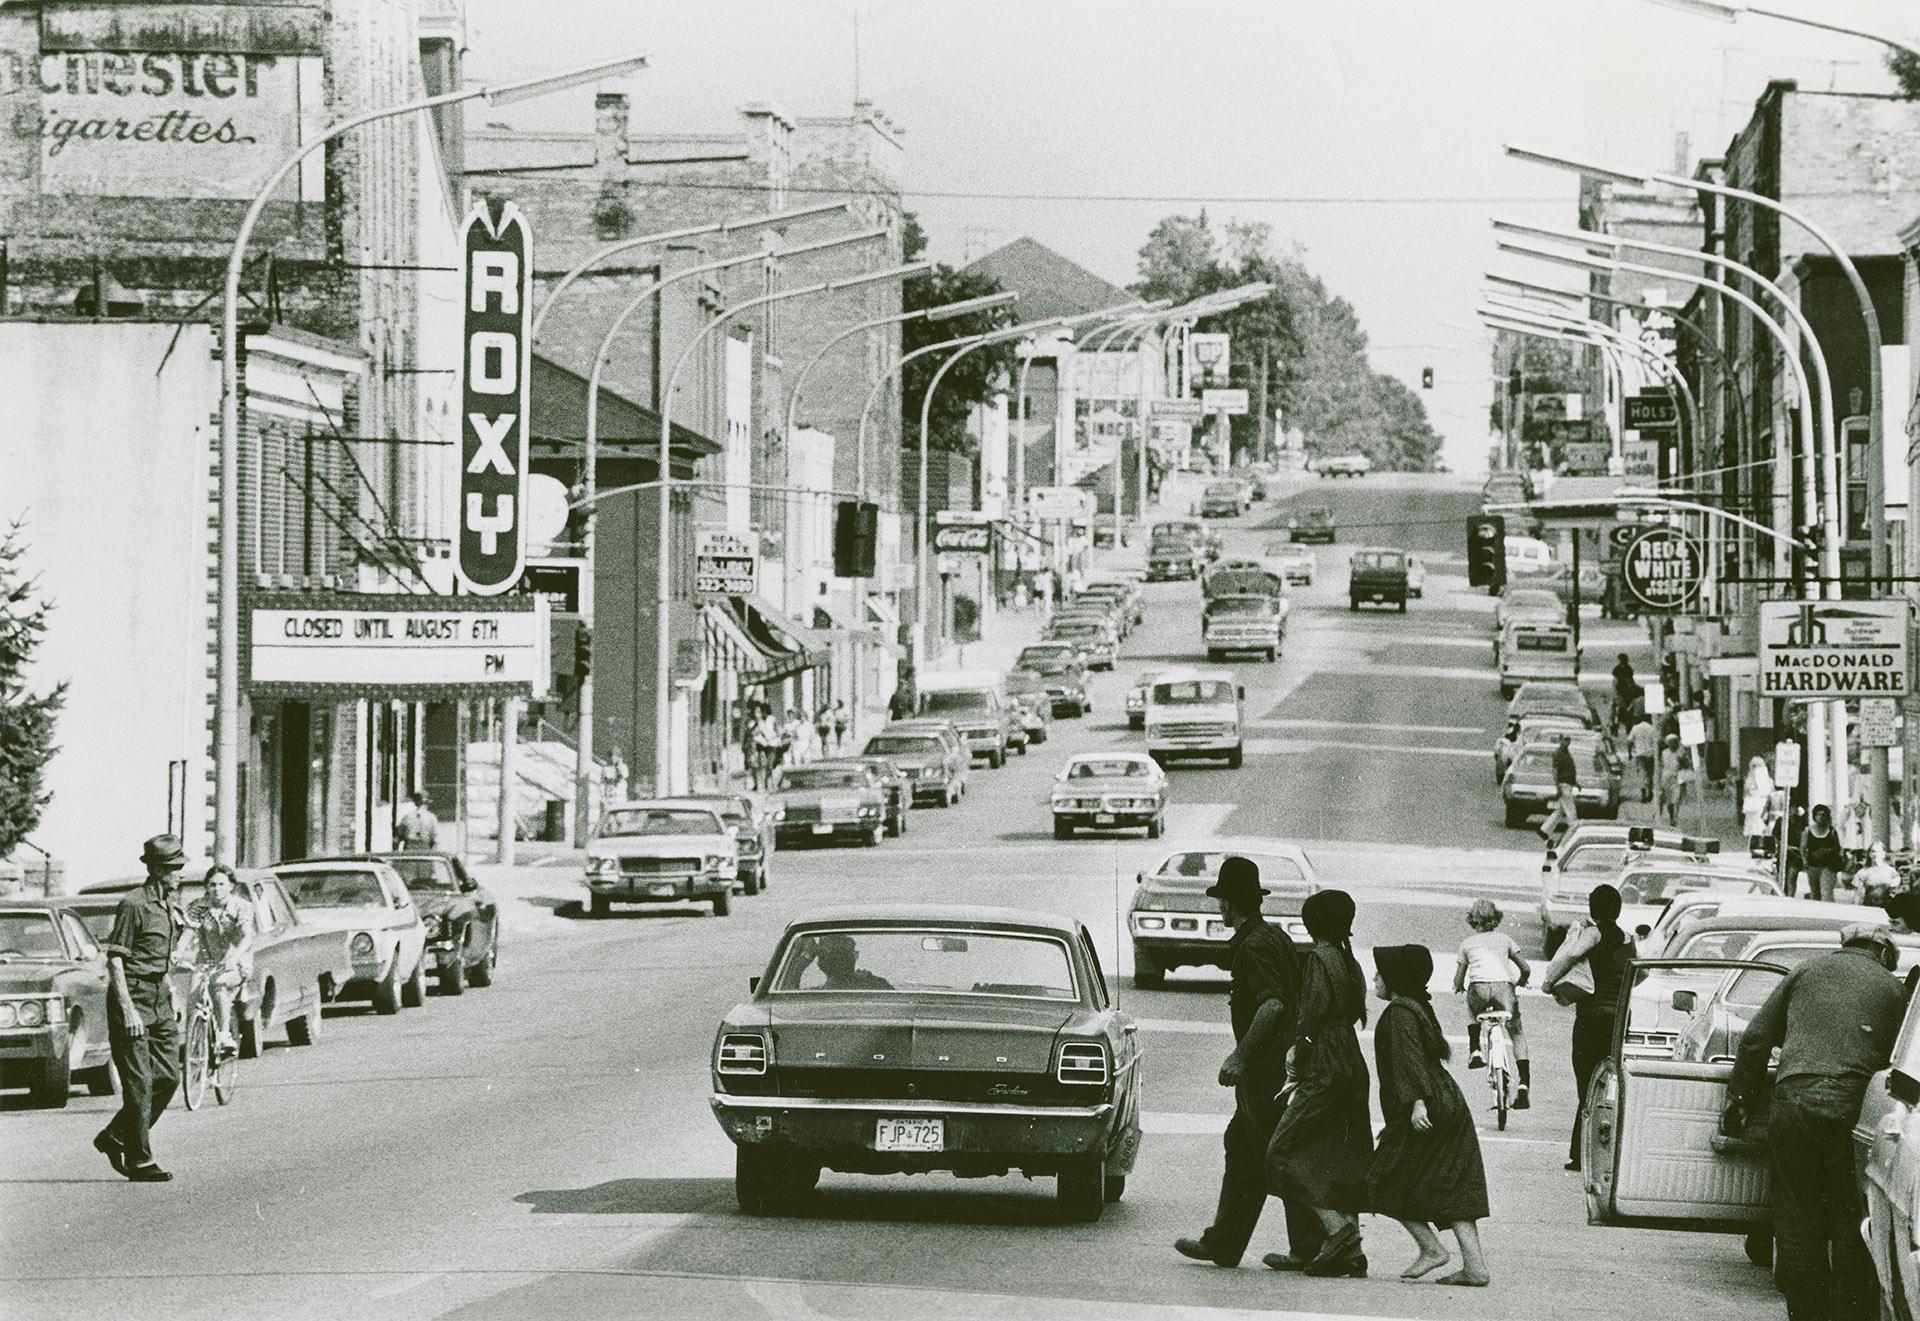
(222, 925)
(1485, 971)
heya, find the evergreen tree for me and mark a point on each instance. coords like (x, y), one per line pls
(26, 721)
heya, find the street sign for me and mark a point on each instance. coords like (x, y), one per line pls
(564, 582)
(1661, 568)
(1818, 650)
(1693, 729)
(1178, 410)
(1651, 409)
(496, 276)
(1639, 458)
(1207, 355)
(1050, 503)
(1878, 720)
(725, 562)
(1653, 696)
(1786, 764)
(1224, 401)
(958, 532)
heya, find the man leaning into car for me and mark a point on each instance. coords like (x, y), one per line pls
(146, 1043)
(1834, 1019)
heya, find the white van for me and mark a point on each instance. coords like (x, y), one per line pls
(1195, 713)
(977, 704)
(1536, 651)
(1528, 557)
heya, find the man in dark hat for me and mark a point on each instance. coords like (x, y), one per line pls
(140, 1025)
(1264, 1000)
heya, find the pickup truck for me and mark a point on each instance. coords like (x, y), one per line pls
(1379, 577)
(1249, 622)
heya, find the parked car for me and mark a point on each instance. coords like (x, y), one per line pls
(893, 783)
(1109, 791)
(386, 936)
(1529, 788)
(959, 754)
(752, 827)
(1592, 852)
(1689, 909)
(1222, 500)
(897, 1039)
(978, 707)
(1292, 562)
(1312, 523)
(1648, 884)
(925, 760)
(1343, 465)
(1174, 924)
(462, 919)
(299, 965)
(1036, 704)
(1537, 696)
(1121, 589)
(1735, 929)
(53, 1004)
(1526, 605)
(1541, 727)
(1720, 1018)
(830, 801)
(1097, 639)
(662, 851)
(1061, 665)
(1888, 1138)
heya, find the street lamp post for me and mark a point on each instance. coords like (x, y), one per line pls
(226, 759)
(585, 768)
(663, 709)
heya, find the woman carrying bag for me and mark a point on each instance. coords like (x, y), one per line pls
(1587, 973)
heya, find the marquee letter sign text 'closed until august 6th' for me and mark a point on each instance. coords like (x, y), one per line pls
(497, 284)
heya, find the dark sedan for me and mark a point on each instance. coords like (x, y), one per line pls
(894, 780)
(462, 916)
(53, 1003)
(904, 1039)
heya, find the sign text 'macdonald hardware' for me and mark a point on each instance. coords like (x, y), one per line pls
(497, 283)
(1817, 650)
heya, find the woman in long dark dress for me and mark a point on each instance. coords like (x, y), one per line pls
(1427, 1170)
(1323, 1143)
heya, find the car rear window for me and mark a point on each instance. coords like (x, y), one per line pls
(1193, 691)
(919, 961)
(896, 746)
(1201, 865)
(954, 700)
(1379, 559)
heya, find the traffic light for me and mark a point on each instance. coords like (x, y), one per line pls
(1426, 378)
(1487, 551)
(582, 651)
(856, 538)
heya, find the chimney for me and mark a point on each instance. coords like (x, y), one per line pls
(610, 128)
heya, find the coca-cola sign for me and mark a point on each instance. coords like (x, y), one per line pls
(958, 533)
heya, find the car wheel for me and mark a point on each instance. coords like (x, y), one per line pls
(386, 996)
(765, 1183)
(1403, 605)
(949, 796)
(413, 991)
(752, 884)
(482, 974)
(453, 978)
(1235, 757)
(600, 906)
(723, 903)
(1020, 747)
(1116, 1187)
(51, 1088)
(1061, 830)
(1147, 975)
(1080, 1189)
(1516, 815)
(305, 1030)
(1156, 827)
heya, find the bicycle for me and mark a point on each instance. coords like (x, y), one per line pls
(1498, 1046)
(199, 1062)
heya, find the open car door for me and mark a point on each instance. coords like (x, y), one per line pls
(1653, 1151)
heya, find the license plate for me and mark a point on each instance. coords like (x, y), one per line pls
(910, 1135)
(660, 889)
(822, 828)
(1103, 819)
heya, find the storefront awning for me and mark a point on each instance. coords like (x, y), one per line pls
(838, 625)
(882, 610)
(757, 642)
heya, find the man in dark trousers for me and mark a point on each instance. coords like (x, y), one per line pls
(140, 1026)
(1264, 1001)
(1566, 778)
(1834, 1019)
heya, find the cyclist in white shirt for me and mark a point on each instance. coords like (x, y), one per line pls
(1485, 970)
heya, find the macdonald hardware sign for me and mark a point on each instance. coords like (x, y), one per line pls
(496, 276)
(1661, 568)
(1819, 650)
(955, 532)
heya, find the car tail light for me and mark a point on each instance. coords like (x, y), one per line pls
(742, 1053)
(1082, 1063)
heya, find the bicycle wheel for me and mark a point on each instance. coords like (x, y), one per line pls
(197, 1063)
(226, 1077)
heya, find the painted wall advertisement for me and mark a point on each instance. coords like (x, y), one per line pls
(161, 123)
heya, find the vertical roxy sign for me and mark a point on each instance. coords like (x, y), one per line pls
(497, 283)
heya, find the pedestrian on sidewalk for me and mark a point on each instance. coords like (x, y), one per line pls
(1879, 880)
(1821, 852)
(767, 741)
(1833, 1019)
(1323, 1144)
(842, 722)
(1566, 780)
(1484, 970)
(1263, 1004)
(140, 1024)
(1626, 691)
(1427, 1170)
(823, 727)
(1587, 972)
(1643, 744)
(418, 827)
(1756, 808)
(794, 734)
(1673, 779)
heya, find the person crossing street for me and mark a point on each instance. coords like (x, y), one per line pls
(140, 1023)
(1566, 779)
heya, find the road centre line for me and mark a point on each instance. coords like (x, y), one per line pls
(1277, 747)
(1274, 726)
(1446, 672)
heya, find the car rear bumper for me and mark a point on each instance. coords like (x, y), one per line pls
(1124, 820)
(841, 1133)
(807, 830)
(657, 889)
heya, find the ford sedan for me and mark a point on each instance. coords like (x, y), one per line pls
(53, 1003)
(1109, 791)
(909, 1039)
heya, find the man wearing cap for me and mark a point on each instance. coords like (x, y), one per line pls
(140, 1025)
(1264, 1000)
(1833, 1019)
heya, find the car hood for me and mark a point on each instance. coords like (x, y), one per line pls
(357, 919)
(433, 903)
(30, 978)
(852, 1030)
(659, 846)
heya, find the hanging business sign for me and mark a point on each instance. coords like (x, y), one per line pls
(1224, 401)
(1652, 410)
(1209, 355)
(1819, 650)
(725, 562)
(1879, 722)
(496, 279)
(418, 647)
(1177, 410)
(958, 532)
(1661, 568)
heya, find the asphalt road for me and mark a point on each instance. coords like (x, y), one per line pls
(543, 1148)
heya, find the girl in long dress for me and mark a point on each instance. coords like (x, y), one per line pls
(1427, 1169)
(1321, 1147)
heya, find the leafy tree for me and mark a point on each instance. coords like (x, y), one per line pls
(26, 721)
(1906, 71)
(973, 380)
(1525, 366)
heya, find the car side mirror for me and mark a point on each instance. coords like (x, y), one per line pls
(1684, 1001)
(753, 985)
